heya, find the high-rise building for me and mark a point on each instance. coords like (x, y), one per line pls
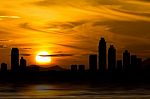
(111, 58)
(22, 63)
(139, 63)
(126, 60)
(3, 67)
(74, 68)
(14, 59)
(134, 62)
(102, 55)
(81, 68)
(119, 65)
(93, 62)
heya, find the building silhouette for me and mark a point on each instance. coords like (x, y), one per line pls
(22, 64)
(93, 63)
(102, 55)
(3, 67)
(135, 69)
(111, 58)
(139, 63)
(126, 60)
(119, 65)
(81, 68)
(134, 62)
(74, 68)
(14, 59)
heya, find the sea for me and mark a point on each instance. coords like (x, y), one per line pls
(74, 91)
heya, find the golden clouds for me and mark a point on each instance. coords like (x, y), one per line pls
(71, 25)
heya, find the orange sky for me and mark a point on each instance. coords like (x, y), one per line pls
(73, 27)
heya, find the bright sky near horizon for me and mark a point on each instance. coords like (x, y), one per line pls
(72, 28)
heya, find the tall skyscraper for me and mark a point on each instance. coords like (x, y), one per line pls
(74, 68)
(111, 58)
(139, 63)
(14, 59)
(93, 62)
(126, 60)
(119, 65)
(3, 67)
(22, 63)
(102, 55)
(134, 62)
(81, 68)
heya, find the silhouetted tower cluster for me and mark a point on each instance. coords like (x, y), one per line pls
(129, 62)
(126, 60)
(81, 68)
(119, 65)
(22, 64)
(93, 63)
(3, 67)
(15, 61)
(102, 55)
(76, 68)
(111, 58)
(135, 63)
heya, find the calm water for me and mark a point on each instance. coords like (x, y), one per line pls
(74, 91)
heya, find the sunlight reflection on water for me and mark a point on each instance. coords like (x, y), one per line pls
(72, 91)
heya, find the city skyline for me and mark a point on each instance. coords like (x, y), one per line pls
(104, 60)
(102, 68)
(75, 49)
(70, 30)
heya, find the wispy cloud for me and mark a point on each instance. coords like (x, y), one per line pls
(9, 17)
(74, 47)
(57, 55)
(74, 26)
(13, 17)
(27, 48)
(27, 26)
(25, 54)
(3, 46)
(4, 40)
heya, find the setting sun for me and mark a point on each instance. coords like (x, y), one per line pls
(43, 59)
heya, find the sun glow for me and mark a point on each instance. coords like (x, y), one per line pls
(43, 59)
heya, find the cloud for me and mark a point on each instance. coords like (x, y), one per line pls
(27, 48)
(13, 17)
(26, 45)
(9, 17)
(65, 25)
(102, 8)
(27, 26)
(54, 26)
(4, 32)
(139, 47)
(25, 54)
(57, 55)
(47, 29)
(130, 28)
(3, 46)
(4, 40)
(74, 47)
(79, 2)
(76, 25)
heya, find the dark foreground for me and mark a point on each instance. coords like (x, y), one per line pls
(75, 76)
(74, 91)
(75, 85)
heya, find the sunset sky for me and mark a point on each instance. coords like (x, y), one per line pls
(70, 29)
